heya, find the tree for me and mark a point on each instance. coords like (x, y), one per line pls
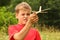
(4, 2)
(53, 15)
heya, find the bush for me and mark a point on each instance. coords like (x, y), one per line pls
(6, 17)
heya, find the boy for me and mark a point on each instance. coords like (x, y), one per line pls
(23, 30)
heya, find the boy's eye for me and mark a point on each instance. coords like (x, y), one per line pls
(28, 14)
(23, 14)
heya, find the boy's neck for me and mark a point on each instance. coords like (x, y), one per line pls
(21, 24)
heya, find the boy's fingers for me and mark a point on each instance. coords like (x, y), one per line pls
(33, 17)
(35, 20)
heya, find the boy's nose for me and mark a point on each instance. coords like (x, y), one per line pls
(25, 15)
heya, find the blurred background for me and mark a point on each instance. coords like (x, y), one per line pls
(48, 24)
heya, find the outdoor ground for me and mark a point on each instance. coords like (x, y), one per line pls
(50, 35)
(45, 35)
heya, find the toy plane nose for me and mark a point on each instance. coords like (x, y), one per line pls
(39, 10)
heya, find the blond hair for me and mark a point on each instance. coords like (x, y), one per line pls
(22, 5)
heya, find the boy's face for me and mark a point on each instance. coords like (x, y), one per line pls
(23, 16)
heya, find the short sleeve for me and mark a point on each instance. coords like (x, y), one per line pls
(38, 36)
(11, 31)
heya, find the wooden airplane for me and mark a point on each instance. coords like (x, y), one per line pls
(42, 11)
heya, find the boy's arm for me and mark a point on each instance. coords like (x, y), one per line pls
(20, 35)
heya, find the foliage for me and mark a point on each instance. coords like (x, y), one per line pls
(53, 15)
(6, 17)
(50, 18)
(4, 2)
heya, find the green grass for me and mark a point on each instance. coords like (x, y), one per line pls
(45, 35)
(50, 35)
(3, 36)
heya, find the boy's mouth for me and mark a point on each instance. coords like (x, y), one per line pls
(25, 20)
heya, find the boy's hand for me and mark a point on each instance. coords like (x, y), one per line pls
(33, 18)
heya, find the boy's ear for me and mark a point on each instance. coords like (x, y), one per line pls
(16, 15)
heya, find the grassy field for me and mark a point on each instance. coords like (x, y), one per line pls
(50, 35)
(45, 35)
(3, 36)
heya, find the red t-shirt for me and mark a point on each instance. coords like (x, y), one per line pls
(33, 34)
